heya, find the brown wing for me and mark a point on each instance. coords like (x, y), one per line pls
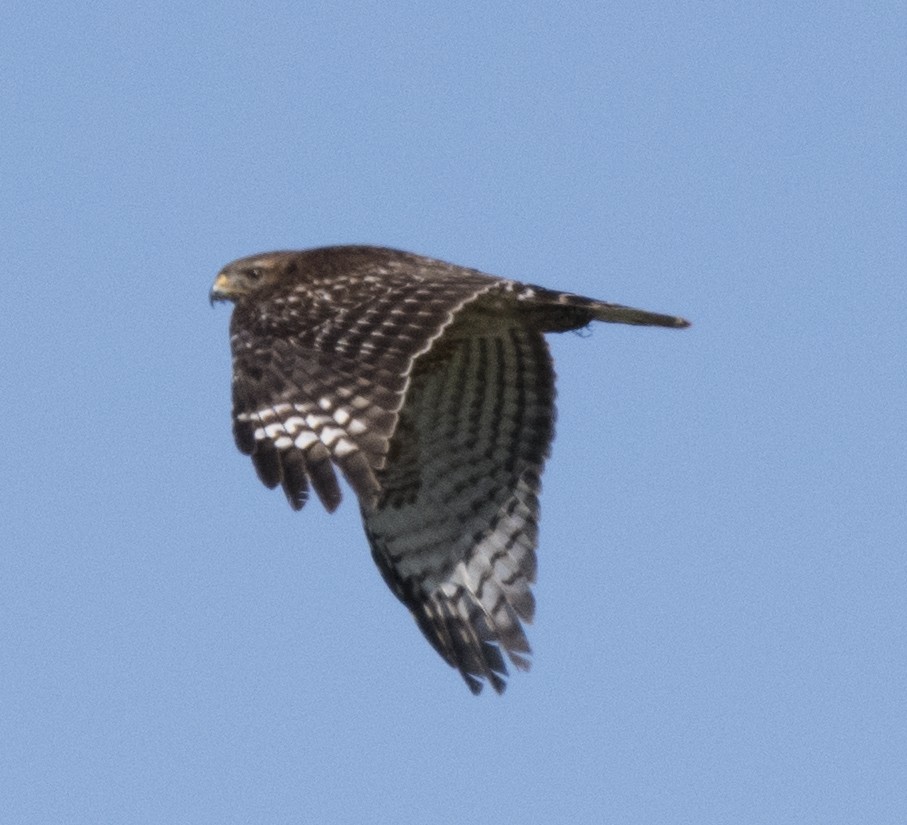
(320, 368)
(454, 533)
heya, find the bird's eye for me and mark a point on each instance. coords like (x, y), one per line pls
(254, 274)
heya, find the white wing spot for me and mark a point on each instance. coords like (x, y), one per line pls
(331, 434)
(356, 427)
(345, 447)
(293, 423)
(316, 422)
(272, 430)
(305, 439)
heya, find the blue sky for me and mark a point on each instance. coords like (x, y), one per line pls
(720, 634)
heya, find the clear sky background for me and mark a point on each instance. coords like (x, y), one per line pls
(721, 632)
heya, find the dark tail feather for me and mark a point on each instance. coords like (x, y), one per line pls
(617, 314)
(561, 311)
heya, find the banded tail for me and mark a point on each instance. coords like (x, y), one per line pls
(560, 311)
(617, 314)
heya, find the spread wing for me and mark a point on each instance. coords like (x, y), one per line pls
(320, 371)
(454, 532)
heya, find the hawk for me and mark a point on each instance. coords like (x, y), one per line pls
(430, 387)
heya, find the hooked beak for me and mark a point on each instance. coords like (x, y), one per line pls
(220, 289)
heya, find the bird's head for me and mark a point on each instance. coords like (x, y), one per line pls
(249, 275)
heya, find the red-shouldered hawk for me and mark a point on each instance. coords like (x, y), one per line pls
(430, 386)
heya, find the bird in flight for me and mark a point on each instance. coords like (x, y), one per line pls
(430, 387)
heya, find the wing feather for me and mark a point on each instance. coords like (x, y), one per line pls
(319, 379)
(455, 529)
